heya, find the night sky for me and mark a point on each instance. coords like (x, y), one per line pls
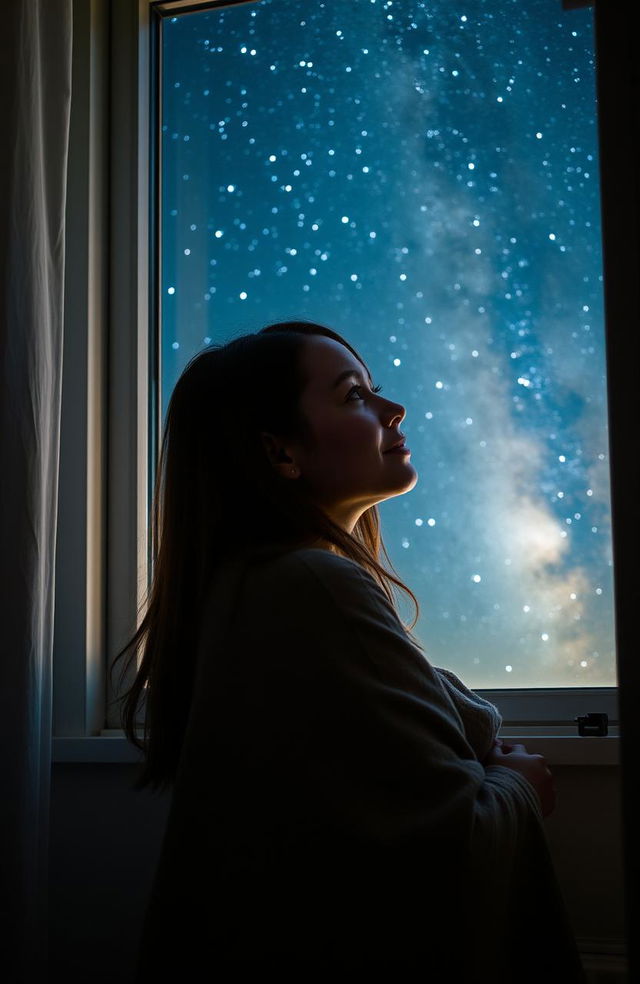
(423, 179)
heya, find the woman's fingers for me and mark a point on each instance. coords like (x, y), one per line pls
(505, 747)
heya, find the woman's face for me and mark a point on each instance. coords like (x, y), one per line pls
(347, 467)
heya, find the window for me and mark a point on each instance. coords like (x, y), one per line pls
(124, 136)
(425, 181)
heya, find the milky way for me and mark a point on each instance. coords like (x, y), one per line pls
(422, 178)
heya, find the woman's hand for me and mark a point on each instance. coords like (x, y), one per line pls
(532, 767)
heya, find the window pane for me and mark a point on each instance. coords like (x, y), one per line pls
(423, 178)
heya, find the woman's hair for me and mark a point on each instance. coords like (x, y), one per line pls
(217, 496)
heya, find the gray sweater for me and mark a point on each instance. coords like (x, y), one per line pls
(331, 810)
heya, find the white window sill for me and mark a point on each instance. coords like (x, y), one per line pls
(96, 748)
(560, 746)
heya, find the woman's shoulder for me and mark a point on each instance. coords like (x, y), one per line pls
(318, 558)
(274, 577)
(326, 583)
(317, 565)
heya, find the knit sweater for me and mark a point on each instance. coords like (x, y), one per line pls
(331, 811)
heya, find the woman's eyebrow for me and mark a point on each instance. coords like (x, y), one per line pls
(346, 374)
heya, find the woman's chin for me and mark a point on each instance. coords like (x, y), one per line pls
(414, 481)
(407, 482)
(412, 478)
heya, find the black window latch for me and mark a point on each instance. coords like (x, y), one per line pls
(593, 725)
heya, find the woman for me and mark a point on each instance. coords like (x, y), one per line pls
(338, 803)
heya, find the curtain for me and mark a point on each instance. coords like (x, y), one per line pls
(35, 82)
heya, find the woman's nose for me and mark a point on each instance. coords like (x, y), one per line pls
(395, 412)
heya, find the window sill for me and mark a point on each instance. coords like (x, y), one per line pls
(98, 749)
(568, 748)
(557, 748)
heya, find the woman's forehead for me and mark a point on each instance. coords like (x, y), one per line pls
(325, 359)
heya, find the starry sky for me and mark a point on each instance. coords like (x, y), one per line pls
(422, 177)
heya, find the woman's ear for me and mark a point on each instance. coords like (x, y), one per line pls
(279, 456)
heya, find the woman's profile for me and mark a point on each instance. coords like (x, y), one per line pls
(338, 803)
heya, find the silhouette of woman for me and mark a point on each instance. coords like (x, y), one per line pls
(338, 803)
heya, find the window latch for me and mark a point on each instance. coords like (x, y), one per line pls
(593, 725)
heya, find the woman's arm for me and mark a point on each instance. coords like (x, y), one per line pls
(324, 750)
(481, 718)
(379, 708)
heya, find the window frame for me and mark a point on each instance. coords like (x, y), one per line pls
(115, 43)
(79, 647)
(104, 491)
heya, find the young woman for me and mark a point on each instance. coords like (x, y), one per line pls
(338, 803)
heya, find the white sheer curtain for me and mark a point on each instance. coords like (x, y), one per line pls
(35, 83)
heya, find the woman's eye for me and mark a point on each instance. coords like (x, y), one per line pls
(358, 389)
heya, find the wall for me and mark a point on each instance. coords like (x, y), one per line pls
(104, 841)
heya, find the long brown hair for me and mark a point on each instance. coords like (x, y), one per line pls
(225, 397)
